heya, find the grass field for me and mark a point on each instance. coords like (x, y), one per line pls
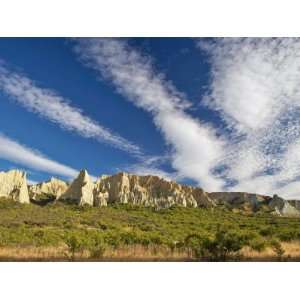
(61, 231)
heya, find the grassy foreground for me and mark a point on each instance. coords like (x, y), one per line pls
(60, 231)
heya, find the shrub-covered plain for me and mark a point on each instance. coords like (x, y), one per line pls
(209, 234)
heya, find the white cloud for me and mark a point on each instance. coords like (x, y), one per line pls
(57, 109)
(255, 89)
(255, 86)
(196, 149)
(15, 152)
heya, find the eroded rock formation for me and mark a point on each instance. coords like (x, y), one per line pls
(53, 188)
(284, 207)
(137, 190)
(238, 198)
(148, 191)
(13, 185)
(81, 190)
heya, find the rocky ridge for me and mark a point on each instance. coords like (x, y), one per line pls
(137, 190)
(126, 188)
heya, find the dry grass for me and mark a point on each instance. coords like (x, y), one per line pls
(150, 253)
(32, 253)
(291, 252)
(125, 253)
(137, 253)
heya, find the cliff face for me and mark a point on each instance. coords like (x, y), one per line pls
(275, 204)
(284, 207)
(238, 198)
(81, 190)
(53, 188)
(148, 191)
(13, 184)
(136, 190)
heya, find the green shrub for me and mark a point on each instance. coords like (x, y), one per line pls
(267, 231)
(258, 244)
(97, 247)
(75, 246)
(223, 246)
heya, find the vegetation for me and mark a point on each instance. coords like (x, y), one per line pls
(216, 234)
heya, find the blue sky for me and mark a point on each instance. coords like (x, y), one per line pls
(219, 113)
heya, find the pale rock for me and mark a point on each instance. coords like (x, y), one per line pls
(81, 190)
(13, 185)
(99, 193)
(53, 188)
(284, 207)
(149, 191)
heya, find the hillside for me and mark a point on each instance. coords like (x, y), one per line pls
(130, 217)
(60, 231)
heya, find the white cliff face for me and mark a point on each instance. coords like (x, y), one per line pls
(81, 190)
(137, 190)
(53, 188)
(149, 191)
(13, 185)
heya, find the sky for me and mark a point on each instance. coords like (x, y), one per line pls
(222, 113)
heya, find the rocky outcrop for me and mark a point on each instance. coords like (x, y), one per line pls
(238, 198)
(126, 188)
(53, 188)
(148, 191)
(81, 190)
(276, 205)
(13, 185)
(284, 207)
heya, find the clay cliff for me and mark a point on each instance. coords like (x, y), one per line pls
(126, 188)
(81, 190)
(53, 188)
(136, 190)
(13, 185)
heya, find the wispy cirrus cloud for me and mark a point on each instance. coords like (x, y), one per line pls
(255, 87)
(13, 151)
(195, 146)
(50, 105)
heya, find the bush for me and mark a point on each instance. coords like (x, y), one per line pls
(224, 246)
(75, 246)
(258, 244)
(267, 231)
(288, 235)
(97, 247)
